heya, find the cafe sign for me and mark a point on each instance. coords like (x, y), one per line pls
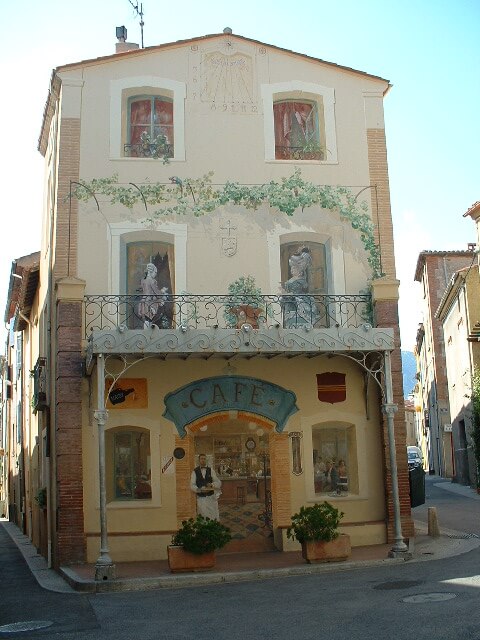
(205, 397)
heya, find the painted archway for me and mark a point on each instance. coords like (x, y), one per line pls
(215, 400)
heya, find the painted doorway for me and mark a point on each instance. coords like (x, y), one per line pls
(239, 452)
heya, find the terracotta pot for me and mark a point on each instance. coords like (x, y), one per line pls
(333, 551)
(246, 314)
(181, 560)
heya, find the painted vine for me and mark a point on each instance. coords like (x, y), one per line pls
(200, 196)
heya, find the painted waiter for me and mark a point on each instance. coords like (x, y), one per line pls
(205, 483)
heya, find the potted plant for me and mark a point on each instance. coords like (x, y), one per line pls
(193, 545)
(41, 498)
(245, 303)
(316, 528)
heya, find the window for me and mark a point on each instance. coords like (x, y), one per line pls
(151, 273)
(150, 127)
(128, 464)
(297, 134)
(147, 117)
(299, 122)
(334, 459)
(303, 272)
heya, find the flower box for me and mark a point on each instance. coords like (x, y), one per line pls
(331, 551)
(181, 560)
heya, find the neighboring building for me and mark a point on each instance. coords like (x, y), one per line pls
(422, 433)
(459, 311)
(275, 383)
(3, 440)
(22, 432)
(411, 435)
(434, 270)
(474, 213)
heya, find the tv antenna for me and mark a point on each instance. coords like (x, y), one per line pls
(139, 13)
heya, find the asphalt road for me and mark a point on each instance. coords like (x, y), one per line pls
(22, 599)
(361, 604)
(453, 511)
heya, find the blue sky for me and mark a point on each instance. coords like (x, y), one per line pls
(428, 49)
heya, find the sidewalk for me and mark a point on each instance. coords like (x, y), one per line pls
(143, 576)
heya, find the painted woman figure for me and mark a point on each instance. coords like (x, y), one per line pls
(299, 309)
(153, 298)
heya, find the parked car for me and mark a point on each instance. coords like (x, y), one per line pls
(414, 457)
(416, 476)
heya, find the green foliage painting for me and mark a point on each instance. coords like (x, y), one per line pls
(200, 196)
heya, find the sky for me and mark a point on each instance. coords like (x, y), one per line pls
(428, 49)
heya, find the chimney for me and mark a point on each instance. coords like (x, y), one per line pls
(121, 46)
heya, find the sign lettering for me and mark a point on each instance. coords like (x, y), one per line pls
(229, 393)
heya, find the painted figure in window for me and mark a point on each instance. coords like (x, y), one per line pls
(299, 309)
(319, 469)
(342, 484)
(331, 475)
(296, 130)
(152, 308)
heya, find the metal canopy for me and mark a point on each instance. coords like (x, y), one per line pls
(245, 342)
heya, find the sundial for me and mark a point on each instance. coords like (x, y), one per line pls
(223, 79)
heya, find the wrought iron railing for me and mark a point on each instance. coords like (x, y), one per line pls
(148, 150)
(299, 153)
(191, 311)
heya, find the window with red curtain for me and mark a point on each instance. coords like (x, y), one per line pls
(152, 115)
(296, 130)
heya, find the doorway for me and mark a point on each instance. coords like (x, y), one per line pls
(239, 453)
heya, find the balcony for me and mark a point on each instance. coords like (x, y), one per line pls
(39, 398)
(191, 324)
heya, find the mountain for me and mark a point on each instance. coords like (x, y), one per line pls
(409, 368)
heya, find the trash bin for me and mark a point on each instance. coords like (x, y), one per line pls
(416, 477)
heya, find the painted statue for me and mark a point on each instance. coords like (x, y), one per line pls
(299, 308)
(152, 307)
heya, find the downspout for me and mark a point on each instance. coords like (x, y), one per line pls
(26, 442)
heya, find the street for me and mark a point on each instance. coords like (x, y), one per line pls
(454, 512)
(358, 604)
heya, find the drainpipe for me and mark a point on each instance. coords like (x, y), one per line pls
(104, 567)
(27, 432)
(399, 549)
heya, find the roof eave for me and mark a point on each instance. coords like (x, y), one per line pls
(48, 111)
(22, 287)
(473, 211)
(179, 43)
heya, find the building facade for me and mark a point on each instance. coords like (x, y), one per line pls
(217, 276)
(458, 312)
(434, 270)
(23, 441)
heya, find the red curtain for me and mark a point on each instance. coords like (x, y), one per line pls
(294, 126)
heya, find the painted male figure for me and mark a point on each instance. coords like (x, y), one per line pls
(205, 483)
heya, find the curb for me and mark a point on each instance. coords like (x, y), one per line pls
(422, 548)
(201, 579)
(47, 578)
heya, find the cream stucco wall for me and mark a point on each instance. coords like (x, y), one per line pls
(460, 314)
(229, 142)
